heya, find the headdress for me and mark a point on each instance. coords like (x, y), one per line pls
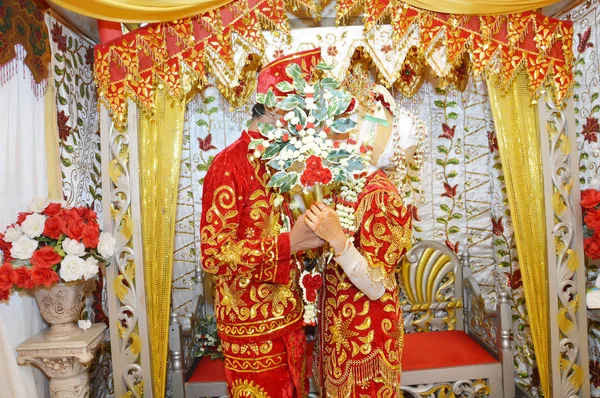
(273, 73)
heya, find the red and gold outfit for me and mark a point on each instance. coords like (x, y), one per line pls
(258, 302)
(361, 340)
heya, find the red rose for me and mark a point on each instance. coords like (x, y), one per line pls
(326, 129)
(54, 227)
(5, 276)
(260, 148)
(91, 235)
(22, 216)
(45, 257)
(590, 198)
(53, 209)
(592, 219)
(4, 295)
(336, 144)
(363, 149)
(71, 215)
(285, 137)
(310, 125)
(311, 283)
(592, 247)
(43, 276)
(5, 248)
(298, 127)
(351, 141)
(21, 277)
(90, 215)
(75, 229)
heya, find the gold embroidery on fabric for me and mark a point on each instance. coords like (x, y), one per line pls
(258, 364)
(261, 327)
(247, 389)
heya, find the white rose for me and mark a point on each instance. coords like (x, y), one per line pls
(293, 140)
(311, 131)
(72, 268)
(270, 135)
(278, 123)
(277, 134)
(266, 144)
(301, 158)
(289, 115)
(327, 95)
(257, 154)
(84, 324)
(38, 204)
(91, 268)
(323, 134)
(295, 121)
(310, 119)
(298, 144)
(73, 247)
(13, 233)
(23, 248)
(311, 106)
(33, 226)
(309, 89)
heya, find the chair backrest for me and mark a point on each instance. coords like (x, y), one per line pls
(431, 290)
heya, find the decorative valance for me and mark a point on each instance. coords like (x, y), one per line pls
(229, 44)
(22, 22)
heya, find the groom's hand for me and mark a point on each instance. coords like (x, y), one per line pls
(302, 237)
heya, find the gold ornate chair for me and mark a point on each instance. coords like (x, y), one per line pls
(454, 347)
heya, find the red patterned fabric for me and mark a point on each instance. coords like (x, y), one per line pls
(360, 340)
(274, 73)
(442, 349)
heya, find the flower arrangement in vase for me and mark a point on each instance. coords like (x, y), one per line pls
(53, 250)
(306, 163)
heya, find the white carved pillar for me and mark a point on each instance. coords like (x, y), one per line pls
(125, 275)
(65, 362)
(566, 269)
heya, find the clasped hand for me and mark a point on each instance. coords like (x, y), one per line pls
(325, 223)
(302, 237)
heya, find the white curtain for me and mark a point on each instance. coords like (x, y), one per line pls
(22, 176)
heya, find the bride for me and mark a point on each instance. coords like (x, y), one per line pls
(361, 330)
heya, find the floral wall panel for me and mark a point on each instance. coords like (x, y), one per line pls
(77, 116)
(586, 42)
(79, 146)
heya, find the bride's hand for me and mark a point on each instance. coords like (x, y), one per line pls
(325, 223)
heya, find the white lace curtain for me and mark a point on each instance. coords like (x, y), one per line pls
(22, 176)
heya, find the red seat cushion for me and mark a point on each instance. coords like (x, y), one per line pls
(442, 349)
(421, 351)
(209, 370)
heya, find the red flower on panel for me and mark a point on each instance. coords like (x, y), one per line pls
(206, 143)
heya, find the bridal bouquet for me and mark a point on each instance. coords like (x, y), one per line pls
(49, 244)
(304, 160)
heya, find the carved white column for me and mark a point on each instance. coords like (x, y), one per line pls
(569, 363)
(65, 362)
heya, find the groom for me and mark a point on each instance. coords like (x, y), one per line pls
(258, 300)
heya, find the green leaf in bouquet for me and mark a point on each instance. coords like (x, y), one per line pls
(294, 71)
(270, 99)
(261, 98)
(283, 180)
(343, 125)
(300, 85)
(324, 66)
(336, 155)
(271, 151)
(285, 87)
(355, 164)
(300, 114)
(329, 83)
(320, 113)
(274, 163)
(343, 104)
(289, 183)
(288, 103)
(265, 128)
(254, 143)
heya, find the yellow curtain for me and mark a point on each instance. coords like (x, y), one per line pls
(480, 7)
(160, 136)
(139, 10)
(517, 129)
(52, 145)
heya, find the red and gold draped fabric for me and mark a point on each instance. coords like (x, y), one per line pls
(22, 22)
(229, 44)
(496, 44)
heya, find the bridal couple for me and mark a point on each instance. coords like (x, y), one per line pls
(259, 306)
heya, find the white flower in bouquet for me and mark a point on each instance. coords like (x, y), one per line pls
(91, 268)
(84, 324)
(13, 233)
(72, 268)
(106, 245)
(33, 226)
(73, 247)
(38, 204)
(23, 248)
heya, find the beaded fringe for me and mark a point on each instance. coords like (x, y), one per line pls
(11, 68)
(374, 369)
